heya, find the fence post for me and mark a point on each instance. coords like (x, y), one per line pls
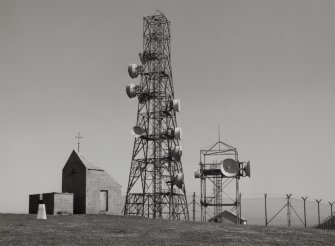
(240, 198)
(331, 208)
(318, 201)
(266, 212)
(193, 206)
(305, 198)
(288, 196)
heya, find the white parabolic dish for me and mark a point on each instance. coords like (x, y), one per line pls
(177, 133)
(247, 169)
(130, 89)
(229, 168)
(176, 105)
(179, 180)
(177, 152)
(133, 70)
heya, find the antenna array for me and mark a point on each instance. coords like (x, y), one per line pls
(156, 186)
(219, 171)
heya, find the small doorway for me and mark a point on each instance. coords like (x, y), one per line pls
(103, 200)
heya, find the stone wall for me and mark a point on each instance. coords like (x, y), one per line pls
(63, 203)
(98, 181)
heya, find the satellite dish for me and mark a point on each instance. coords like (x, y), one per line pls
(177, 133)
(137, 131)
(177, 152)
(246, 169)
(197, 174)
(179, 180)
(229, 168)
(176, 105)
(134, 70)
(131, 90)
(142, 58)
(146, 56)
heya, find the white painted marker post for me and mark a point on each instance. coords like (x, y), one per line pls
(41, 213)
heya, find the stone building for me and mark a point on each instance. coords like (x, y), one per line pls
(95, 191)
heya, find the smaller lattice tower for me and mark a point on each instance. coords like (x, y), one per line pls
(156, 186)
(221, 169)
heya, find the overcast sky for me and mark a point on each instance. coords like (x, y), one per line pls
(261, 69)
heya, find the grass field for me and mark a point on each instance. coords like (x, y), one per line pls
(22, 229)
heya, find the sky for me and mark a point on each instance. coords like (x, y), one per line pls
(263, 70)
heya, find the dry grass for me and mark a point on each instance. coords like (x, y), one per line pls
(18, 229)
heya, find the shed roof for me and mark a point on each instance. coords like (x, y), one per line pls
(227, 215)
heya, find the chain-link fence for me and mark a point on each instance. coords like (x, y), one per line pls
(272, 210)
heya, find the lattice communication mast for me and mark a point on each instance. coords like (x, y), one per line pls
(156, 186)
(219, 168)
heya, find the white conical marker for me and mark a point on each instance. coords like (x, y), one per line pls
(41, 214)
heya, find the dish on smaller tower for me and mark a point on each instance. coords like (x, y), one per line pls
(229, 168)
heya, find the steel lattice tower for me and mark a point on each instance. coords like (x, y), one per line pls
(156, 181)
(220, 167)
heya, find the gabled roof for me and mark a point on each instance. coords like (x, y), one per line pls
(87, 163)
